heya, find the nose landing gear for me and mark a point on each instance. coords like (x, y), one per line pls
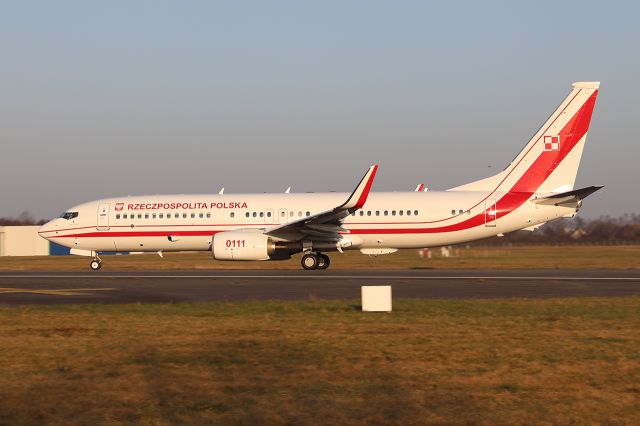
(311, 261)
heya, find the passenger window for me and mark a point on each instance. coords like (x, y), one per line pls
(361, 213)
(139, 215)
(368, 212)
(268, 214)
(393, 212)
(282, 214)
(408, 212)
(299, 214)
(308, 214)
(208, 215)
(193, 215)
(291, 214)
(377, 212)
(401, 212)
(184, 215)
(161, 215)
(453, 212)
(415, 212)
(232, 214)
(460, 211)
(261, 214)
(118, 216)
(386, 212)
(124, 216)
(153, 216)
(254, 214)
(201, 215)
(146, 215)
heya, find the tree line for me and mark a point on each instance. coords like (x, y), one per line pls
(24, 219)
(624, 229)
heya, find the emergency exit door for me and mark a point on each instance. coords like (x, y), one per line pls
(103, 217)
(490, 213)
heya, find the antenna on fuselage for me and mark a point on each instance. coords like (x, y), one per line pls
(288, 191)
(221, 191)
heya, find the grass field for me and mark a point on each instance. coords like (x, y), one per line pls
(556, 361)
(531, 257)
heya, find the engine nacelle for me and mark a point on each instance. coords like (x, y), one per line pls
(246, 245)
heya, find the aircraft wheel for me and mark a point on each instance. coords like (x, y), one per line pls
(309, 261)
(323, 261)
(95, 264)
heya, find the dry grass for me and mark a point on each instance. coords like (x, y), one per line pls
(533, 257)
(431, 361)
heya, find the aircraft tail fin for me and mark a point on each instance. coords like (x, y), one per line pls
(550, 160)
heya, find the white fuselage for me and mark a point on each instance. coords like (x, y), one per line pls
(388, 220)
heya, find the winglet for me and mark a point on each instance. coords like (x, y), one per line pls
(359, 195)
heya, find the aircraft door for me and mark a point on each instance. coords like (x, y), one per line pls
(490, 213)
(103, 217)
(282, 216)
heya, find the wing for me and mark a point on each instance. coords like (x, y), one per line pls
(327, 226)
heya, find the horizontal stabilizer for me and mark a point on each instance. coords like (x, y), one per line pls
(563, 197)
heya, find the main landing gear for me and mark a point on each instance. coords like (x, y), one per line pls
(96, 263)
(312, 261)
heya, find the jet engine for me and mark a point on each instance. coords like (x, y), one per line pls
(247, 245)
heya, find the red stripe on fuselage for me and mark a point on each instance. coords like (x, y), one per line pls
(164, 234)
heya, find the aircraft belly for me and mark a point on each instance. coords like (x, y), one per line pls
(184, 243)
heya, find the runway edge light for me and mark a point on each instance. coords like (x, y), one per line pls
(376, 298)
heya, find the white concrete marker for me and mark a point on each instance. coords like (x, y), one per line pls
(376, 298)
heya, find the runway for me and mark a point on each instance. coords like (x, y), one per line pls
(172, 287)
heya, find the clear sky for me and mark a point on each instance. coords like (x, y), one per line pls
(115, 98)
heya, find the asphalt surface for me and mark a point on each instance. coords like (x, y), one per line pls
(162, 287)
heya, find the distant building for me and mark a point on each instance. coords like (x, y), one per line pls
(25, 241)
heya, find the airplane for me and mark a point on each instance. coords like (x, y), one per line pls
(536, 187)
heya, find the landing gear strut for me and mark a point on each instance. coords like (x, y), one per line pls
(312, 261)
(96, 263)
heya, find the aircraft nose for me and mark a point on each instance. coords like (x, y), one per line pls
(45, 229)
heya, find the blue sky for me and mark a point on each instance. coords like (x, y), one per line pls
(138, 97)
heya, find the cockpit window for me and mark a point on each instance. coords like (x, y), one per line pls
(69, 215)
